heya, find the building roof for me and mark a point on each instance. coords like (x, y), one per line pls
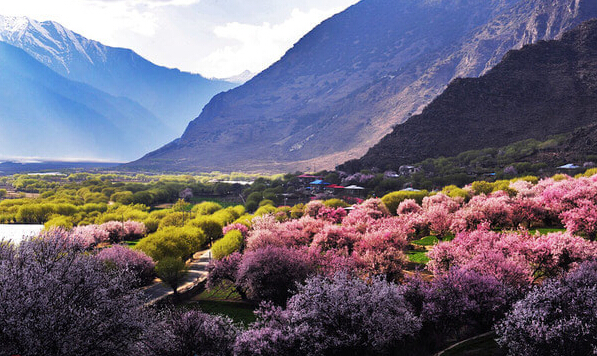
(569, 166)
(335, 186)
(355, 187)
(319, 182)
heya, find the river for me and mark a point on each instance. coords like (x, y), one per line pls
(16, 232)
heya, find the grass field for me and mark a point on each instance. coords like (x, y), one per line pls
(419, 257)
(223, 301)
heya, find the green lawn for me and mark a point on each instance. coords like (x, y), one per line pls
(426, 241)
(419, 257)
(224, 204)
(240, 312)
(131, 243)
(223, 301)
(546, 230)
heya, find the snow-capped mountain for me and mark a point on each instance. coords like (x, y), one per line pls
(50, 43)
(43, 114)
(173, 96)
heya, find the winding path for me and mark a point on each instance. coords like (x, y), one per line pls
(196, 275)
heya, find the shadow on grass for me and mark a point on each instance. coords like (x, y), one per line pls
(223, 301)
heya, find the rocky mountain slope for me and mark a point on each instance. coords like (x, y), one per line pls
(171, 95)
(43, 114)
(543, 89)
(344, 86)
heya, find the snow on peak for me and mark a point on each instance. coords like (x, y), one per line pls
(50, 42)
(10, 25)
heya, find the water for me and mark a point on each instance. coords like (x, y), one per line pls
(15, 232)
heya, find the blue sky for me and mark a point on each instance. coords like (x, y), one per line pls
(217, 38)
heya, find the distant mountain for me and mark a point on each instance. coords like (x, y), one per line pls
(43, 114)
(240, 78)
(173, 96)
(543, 89)
(344, 85)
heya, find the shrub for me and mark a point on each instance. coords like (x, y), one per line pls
(171, 270)
(62, 221)
(265, 209)
(464, 299)
(135, 262)
(335, 203)
(513, 258)
(297, 211)
(557, 318)
(124, 198)
(173, 219)
(210, 226)
(193, 333)
(179, 242)
(90, 235)
(58, 301)
(236, 226)
(206, 208)
(334, 316)
(271, 273)
(392, 200)
(228, 244)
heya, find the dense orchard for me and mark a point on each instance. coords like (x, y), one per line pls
(330, 280)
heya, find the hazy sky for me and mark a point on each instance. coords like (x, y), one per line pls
(217, 38)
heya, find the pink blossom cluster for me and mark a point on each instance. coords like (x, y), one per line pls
(367, 239)
(236, 226)
(514, 258)
(136, 262)
(112, 231)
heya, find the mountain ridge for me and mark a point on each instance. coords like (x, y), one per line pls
(542, 89)
(69, 119)
(315, 107)
(170, 94)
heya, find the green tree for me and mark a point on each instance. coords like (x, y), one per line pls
(171, 271)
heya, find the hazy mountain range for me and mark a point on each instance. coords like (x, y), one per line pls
(95, 101)
(349, 81)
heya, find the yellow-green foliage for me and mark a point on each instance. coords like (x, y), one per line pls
(178, 242)
(245, 219)
(206, 208)
(503, 185)
(482, 187)
(117, 212)
(454, 192)
(559, 177)
(59, 221)
(239, 210)
(225, 216)
(282, 213)
(210, 226)
(265, 202)
(335, 203)
(40, 213)
(297, 211)
(266, 209)
(228, 244)
(392, 200)
(125, 197)
(174, 219)
(589, 173)
(151, 224)
(530, 179)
